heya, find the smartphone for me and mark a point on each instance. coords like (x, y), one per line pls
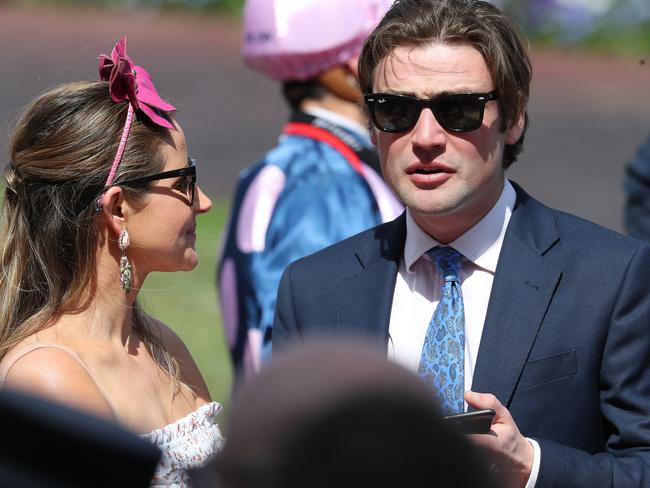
(476, 422)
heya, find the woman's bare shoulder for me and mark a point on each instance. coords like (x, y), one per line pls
(55, 372)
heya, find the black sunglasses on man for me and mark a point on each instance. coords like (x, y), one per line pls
(462, 112)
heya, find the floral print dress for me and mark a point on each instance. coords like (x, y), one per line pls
(186, 444)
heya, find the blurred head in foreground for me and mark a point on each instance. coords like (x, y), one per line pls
(51, 445)
(341, 415)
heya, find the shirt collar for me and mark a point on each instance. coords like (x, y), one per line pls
(481, 244)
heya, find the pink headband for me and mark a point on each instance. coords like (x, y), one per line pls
(127, 82)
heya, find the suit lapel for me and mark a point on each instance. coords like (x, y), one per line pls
(365, 299)
(523, 288)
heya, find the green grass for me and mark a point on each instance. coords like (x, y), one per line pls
(633, 41)
(630, 41)
(187, 302)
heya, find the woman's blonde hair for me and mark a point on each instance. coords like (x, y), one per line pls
(60, 154)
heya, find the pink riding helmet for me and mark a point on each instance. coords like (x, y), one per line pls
(298, 39)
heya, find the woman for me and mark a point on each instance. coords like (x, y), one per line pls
(100, 192)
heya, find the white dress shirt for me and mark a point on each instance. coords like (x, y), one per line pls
(418, 289)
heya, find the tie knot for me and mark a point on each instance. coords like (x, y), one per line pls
(447, 261)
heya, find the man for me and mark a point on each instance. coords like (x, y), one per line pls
(318, 185)
(478, 286)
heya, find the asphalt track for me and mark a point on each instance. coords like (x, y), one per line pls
(588, 114)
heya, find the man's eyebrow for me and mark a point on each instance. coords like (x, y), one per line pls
(390, 91)
(444, 93)
(429, 95)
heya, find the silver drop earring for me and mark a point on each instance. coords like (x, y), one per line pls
(125, 267)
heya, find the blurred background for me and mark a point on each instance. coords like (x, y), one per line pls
(589, 111)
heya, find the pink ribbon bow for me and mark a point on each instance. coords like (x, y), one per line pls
(127, 82)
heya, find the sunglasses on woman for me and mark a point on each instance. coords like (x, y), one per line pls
(186, 184)
(461, 112)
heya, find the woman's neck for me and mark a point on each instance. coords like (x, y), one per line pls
(108, 312)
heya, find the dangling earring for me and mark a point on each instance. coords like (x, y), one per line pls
(125, 267)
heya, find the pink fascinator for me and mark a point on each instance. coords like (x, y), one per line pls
(130, 83)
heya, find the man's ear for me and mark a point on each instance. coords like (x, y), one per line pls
(353, 66)
(373, 134)
(112, 209)
(516, 129)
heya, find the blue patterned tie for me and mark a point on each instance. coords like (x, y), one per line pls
(442, 363)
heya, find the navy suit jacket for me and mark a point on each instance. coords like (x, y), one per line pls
(566, 340)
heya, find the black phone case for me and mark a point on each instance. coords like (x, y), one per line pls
(478, 422)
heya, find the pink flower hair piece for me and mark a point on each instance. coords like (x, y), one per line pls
(130, 83)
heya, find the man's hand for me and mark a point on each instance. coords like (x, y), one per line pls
(508, 452)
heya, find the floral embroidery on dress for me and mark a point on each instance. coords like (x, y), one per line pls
(186, 444)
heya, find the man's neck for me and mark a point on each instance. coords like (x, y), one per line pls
(448, 228)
